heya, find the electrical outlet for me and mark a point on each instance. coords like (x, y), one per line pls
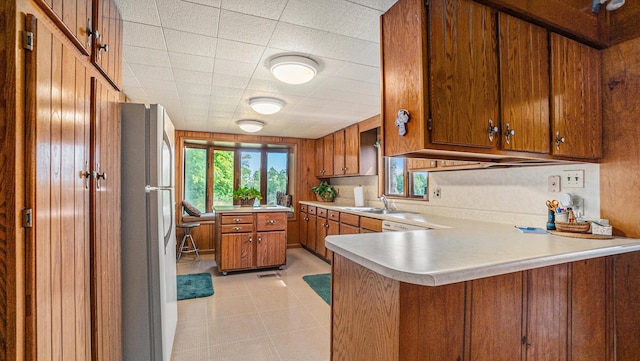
(437, 193)
(554, 183)
(573, 179)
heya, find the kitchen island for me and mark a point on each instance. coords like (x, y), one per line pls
(483, 291)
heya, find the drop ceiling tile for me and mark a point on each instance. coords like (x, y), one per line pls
(136, 94)
(382, 5)
(230, 81)
(146, 72)
(295, 38)
(138, 55)
(189, 17)
(142, 35)
(217, 91)
(217, 109)
(139, 11)
(369, 74)
(154, 86)
(340, 47)
(190, 43)
(191, 88)
(128, 78)
(353, 86)
(271, 9)
(228, 67)
(245, 28)
(238, 51)
(213, 3)
(370, 55)
(191, 62)
(192, 77)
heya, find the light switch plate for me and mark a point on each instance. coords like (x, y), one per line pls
(554, 183)
(573, 179)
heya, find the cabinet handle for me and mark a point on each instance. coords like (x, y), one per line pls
(326, 225)
(271, 221)
(509, 133)
(492, 130)
(99, 175)
(237, 220)
(87, 174)
(236, 228)
(259, 239)
(250, 239)
(559, 140)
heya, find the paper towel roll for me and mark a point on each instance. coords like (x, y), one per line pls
(358, 194)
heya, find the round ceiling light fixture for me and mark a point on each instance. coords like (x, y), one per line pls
(265, 105)
(293, 69)
(250, 125)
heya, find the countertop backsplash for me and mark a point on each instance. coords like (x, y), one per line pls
(507, 195)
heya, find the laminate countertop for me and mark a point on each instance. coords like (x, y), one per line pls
(239, 209)
(461, 250)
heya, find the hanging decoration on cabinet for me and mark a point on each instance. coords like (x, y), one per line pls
(401, 120)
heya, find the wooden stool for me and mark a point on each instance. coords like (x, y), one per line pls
(184, 248)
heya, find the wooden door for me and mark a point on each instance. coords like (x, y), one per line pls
(108, 24)
(105, 221)
(546, 317)
(338, 152)
(464, 73)
(271, 248)
(57, 253)
(576, 93)
(524, 85)
(327, 149)
(495, 325)
(351, 150)
(332, 230)
(74, 20)
(626, 271)
(348, 229)
(303, 228)
(321, 233)
(237, 251)
(320, 170)
(312, 232)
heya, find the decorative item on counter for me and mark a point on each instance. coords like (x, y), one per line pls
(247, 196)
(358, 195)
(572, 225)
(324, 192)
(401, 120)
(552, 205)
(601, 229)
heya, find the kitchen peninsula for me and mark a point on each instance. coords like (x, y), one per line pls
(237, 230)
(481, 291)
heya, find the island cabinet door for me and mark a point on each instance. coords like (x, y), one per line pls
(237, 251)
(495, 327)
(271, 248)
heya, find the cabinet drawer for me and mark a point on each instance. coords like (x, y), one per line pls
(237, 219)
(350, 219)
(271, 221)
(303, 208)
(311, 209)
(322, 212)
(333, 215)
(237, 228)
(371, 224)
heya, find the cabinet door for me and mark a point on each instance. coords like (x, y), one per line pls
(576, 106)
(524, 85)
(320, 170)
(321, 233)
(107, 43)
(496, 317)
(464, 73)
(312, 232)
(327, 149)
(351, 150)
(546, 336)
(237, 251)
(271, 248)
(338, 152)
(303, 228)
(76, 17)
(333, 230)
(348, 229)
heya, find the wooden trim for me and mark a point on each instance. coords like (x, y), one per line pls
(370, 123)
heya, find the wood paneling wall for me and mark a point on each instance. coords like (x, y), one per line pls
(304, 166)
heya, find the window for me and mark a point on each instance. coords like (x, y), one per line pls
(401, 182)
(212, 173)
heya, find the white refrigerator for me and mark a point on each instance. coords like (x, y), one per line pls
(149, 296)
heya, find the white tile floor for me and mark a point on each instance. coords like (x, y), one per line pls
(251, 318)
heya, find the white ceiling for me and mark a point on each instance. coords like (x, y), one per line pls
(204, 59)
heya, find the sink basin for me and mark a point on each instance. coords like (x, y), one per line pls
(385, 211)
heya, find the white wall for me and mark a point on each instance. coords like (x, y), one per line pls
(508, 195)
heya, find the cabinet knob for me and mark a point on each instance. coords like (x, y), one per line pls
(492, 130)
(259, 239)
(559, 140)
(306, 219)
(508, 134)
(271, 221)
(326, 225)
(104, 47)
(236, 228)
(237, 220)
(250, 239)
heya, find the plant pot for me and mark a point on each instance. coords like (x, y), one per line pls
(247, 202)
(320, 199)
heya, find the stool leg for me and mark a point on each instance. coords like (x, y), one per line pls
(195, 249)
(184, 239)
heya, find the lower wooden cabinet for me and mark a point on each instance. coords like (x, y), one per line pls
(250, 240)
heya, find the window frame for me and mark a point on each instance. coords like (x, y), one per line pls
(408, 181)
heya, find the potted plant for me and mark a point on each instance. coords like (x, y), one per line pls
(246, 195)
(324, 192)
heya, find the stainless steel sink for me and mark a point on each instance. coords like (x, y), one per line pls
(385, 211)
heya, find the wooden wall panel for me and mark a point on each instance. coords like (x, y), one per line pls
(620, 168)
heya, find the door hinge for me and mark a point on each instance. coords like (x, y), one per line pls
(27, 40)
(27, 218)
(429, 124)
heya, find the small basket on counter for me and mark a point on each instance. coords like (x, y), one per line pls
(575, 227)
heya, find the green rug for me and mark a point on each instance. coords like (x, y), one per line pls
(194, 286)
(321, 284)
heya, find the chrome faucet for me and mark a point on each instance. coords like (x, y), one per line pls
(385, 201)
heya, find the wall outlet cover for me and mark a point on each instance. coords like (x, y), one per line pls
(573, 179)
(554, 183)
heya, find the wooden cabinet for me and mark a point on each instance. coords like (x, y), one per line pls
(250, 240)
(312, 229)
(346, 151)
(368, 225)
(349, 223)
(324, 156)
(73, 17)
(106, 43)
(303, 225)
(524, 86)
(576, 107)
(321, 231)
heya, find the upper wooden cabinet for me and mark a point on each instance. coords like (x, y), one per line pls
(576, 99)
(73, 17)
(345, 149)
(324, 156)
(524, 85)
(107, 40)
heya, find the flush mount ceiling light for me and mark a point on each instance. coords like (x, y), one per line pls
(293, 69)
(266, 105)
(250, 125)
